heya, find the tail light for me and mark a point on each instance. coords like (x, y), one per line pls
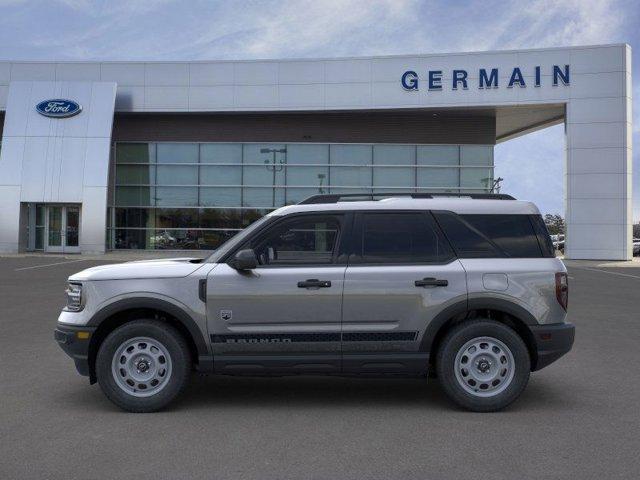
(562, 289)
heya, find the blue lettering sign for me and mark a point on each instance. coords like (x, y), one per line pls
(491, 81)
(435, 79)
(409, 80)
(559, 74)
(516, 77)
(459, 76)
(487, 78)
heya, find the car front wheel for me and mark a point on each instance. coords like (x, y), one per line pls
(483, 365)
(143, 365)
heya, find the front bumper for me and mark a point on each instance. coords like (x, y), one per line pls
(552, 342)
(75, 343)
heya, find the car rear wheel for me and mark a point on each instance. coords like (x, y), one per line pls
(483, 365)
(143, 365)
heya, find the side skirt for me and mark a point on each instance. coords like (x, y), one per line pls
(406, 363)
(386, 363)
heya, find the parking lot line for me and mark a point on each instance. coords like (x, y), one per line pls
(51, 264)
(606, 271)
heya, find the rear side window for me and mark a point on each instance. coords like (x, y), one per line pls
(544, 239)
(484, 236)
(514, 234)
(467, 241)
(401, 238)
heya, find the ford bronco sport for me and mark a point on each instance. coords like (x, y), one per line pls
(398, 284)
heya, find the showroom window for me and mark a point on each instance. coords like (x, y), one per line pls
(171, 195)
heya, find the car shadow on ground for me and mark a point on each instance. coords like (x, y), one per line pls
(312, 392)
(307, 392)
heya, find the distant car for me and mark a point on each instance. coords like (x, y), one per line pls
(163, 240)
(636, 247)
(558, 242)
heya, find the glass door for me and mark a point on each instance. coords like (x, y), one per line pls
(72, 229)
(62, 229)
(55, 231)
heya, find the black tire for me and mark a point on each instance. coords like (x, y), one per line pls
(177, 349)
(456, 338)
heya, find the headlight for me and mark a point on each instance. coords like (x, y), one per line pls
(74, 297)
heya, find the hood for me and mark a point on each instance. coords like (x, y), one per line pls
(161, 268)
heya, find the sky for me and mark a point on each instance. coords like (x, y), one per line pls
(532, 166)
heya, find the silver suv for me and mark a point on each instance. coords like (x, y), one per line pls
(466, 289)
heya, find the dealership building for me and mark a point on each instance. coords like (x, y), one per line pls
(100, 156)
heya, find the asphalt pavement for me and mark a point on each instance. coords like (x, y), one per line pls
(578, 419)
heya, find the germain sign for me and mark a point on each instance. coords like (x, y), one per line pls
(58, 108)
(487, 78)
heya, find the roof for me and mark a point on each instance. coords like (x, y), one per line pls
(311, 59)
(457, 205)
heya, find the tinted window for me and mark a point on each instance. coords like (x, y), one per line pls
(467, 241)
(544, 239)
(484, 236)
(401, 238)
(307, 240)
(514, 234)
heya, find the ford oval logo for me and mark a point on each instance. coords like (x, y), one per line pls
(58, 108)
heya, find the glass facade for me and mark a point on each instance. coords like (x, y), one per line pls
(196, 195)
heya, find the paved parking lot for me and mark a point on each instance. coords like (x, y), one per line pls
(579, 418)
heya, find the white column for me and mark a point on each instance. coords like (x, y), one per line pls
(598, 174)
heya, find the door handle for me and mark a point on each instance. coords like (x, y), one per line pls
(202, 289)
(314, 283)
(431, 282)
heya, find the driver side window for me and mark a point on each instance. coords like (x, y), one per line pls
(308, 240)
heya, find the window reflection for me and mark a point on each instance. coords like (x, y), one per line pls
(164, 190)
(403, 159)
(135, 153)
(177, 218)
(177, 152)
(351, 166)
(221, 153)
(135, 196)
(220, 197)
(218, 218)
(171, 239)
(171, 218)
(177, 175)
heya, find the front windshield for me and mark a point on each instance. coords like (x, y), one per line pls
(237, 239)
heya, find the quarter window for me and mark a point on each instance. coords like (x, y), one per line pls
(303, 241)
(514, 234)
(486, 236)
(544, 239)
(402, 238)
(466, 240)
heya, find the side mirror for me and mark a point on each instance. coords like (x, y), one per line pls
(245, 260)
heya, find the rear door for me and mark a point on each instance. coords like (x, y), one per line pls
(284, 315)
(401, 274)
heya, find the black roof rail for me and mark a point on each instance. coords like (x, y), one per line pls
(354, 197)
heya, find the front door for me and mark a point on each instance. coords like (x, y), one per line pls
(55, 230)
(285, 315)
(62, 228)
(401, 274)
